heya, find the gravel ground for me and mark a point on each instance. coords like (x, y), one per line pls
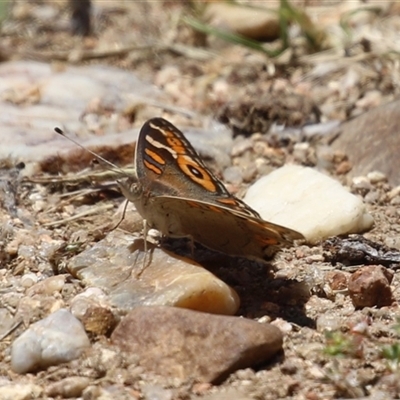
(253, 95)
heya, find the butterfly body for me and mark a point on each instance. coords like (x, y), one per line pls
(176, 194)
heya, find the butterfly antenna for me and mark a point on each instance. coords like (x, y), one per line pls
(97, 156)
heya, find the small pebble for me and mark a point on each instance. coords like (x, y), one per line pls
(245, 374)
(395, 201)
(19, 391)
(371, 99)
(28, 280)
(249, 172)
(328, 323)
(240, 146)
(68, 387)
(372, 197)
(284, 326)
(201, 388)
(391, 211)
(262, 166)
(317, 373)
(288, 368)
(48, 286)
(393, 242)
(324, 155)
(337, 280)
(344, 167)
(98, 320)
(369, 286)
(233, 175)
(361, 182)
(155, 392)
(92, 296)
(25, 251)
(300, 151)
(393, 193)
(376, 176)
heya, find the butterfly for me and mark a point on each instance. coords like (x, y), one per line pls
(178, 195)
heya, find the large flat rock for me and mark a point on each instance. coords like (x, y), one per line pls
(90, 103)
(187, 345)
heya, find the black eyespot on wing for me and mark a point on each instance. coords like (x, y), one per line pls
(196, 172)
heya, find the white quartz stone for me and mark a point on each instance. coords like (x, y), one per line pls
(308, 201)
(58, 338)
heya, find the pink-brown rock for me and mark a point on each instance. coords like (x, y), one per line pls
(187, 344)
(370, 286)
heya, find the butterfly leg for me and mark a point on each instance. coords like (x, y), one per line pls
(145, 232)
(143, 248)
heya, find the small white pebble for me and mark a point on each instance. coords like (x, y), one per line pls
(28, 280)
(39, 205)
(361, 182)
(265, 319)
(300, 151)
(35, 197)
(394, 193)
(376, 176)
(326, 322)
(283, 325)
(316, 373)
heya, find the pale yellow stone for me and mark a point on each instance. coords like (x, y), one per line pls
(117, 266)
(309, 202)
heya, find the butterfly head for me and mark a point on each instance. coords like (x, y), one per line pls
(130, 188)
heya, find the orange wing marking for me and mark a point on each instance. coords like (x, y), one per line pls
(152, 167)
(175, 143)
(228, 201)
(200, 206)
(197, 173)
(158, 159)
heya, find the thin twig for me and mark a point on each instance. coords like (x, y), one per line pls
(10, 330)
(67, 198)
(85, 177)
(81, 55)
(77, 55)
(80, 215)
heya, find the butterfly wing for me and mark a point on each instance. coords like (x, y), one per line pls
(168, 164)
(181, 198)
(220, 228)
